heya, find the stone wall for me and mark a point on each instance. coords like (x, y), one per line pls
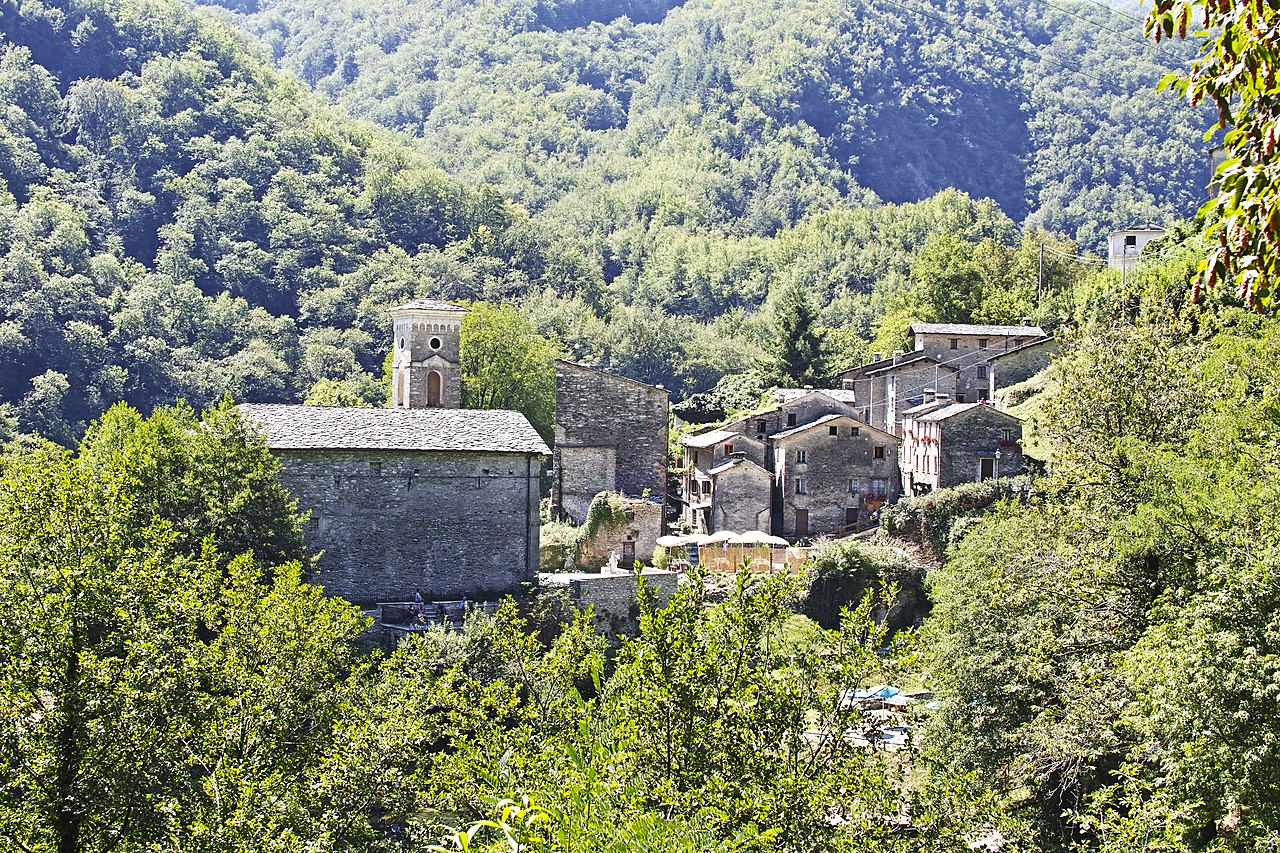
(623, 545)
(1021, 365)
(597, 410)
(741, 499)
(612, 596)
(968, 437)
(838, 471)
(389, 522)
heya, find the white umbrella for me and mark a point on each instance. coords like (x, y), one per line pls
(673, 541)
(758, 537)
(698, 539)
(719, 536)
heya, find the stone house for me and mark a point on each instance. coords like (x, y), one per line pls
(1020, 364)
(420, 495)
(970, 348)
(946, 444)
(611, 435)
(445, 500)
(885, 387)
(1125, 247)
(756, 474)
(830, 473)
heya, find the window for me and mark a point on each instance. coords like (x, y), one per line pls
(761, 426)
(791, 419)
(982, 371)
(879, 486)
(1008, 435)
(955, 343)
(853, 430)
(802, 488)
(982, 343)
(706, 487)
(435, 343)
(879, 451)
(802, 457)
(728, 449)
(853, 486)
(833, 430)
(402, 343)
(1131, 241)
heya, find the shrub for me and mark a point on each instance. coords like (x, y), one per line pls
(930, 518)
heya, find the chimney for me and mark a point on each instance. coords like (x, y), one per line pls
(930, 395)
(738, 454)
(877, 356)
(1026, 321)
(897, 356)
(944, 399)
(808, 387)
(847, 384)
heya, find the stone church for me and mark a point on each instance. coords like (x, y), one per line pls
(422, 495)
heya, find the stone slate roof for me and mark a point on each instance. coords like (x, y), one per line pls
(961, 408)
(826, 419)
(707, 439)
(786, 395)
(972, 329)
(291, 427)
(1039, 342)
(429, 305)
(731, 463)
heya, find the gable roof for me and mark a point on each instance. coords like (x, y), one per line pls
(964, 408)
(1039, 342)
(924, 361)
(704, 440)
(293, 427)
(975, 329)
(734, 463)
(887, 365)
(827, 419)
(788, 395)
(589, 369)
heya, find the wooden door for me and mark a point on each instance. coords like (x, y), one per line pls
(628, 555)
(850, 515)
(802, 522)
(986, 468)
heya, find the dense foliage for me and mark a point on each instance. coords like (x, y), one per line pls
(1236, 73)
(1106, 650)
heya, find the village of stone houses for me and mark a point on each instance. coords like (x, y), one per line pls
(639, 426)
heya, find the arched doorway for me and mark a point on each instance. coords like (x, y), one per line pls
(433, 389)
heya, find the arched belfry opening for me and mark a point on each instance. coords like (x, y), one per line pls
(426, 347)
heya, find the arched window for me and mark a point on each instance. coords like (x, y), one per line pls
(402, 399)
(433, 389)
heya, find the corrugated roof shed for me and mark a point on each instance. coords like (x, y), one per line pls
(292, 427)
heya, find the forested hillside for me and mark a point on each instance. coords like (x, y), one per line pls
(620, 117)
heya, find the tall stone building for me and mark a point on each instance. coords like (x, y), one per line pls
(611, 436)
(425, 353)
(423, 495)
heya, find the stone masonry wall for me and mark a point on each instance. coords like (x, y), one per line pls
(741, 500)
(968, 437)
(613, 596)
(1021, 366)
(643, 527)
(452, 524)
(832, 463)
(597, 410)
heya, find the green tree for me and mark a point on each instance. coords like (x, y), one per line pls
(506, 364)
(153, 689)
(798, 353)
(1235, 73)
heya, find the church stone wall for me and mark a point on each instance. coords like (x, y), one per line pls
(390, 522)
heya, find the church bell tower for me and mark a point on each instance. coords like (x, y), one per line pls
(426, 343)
